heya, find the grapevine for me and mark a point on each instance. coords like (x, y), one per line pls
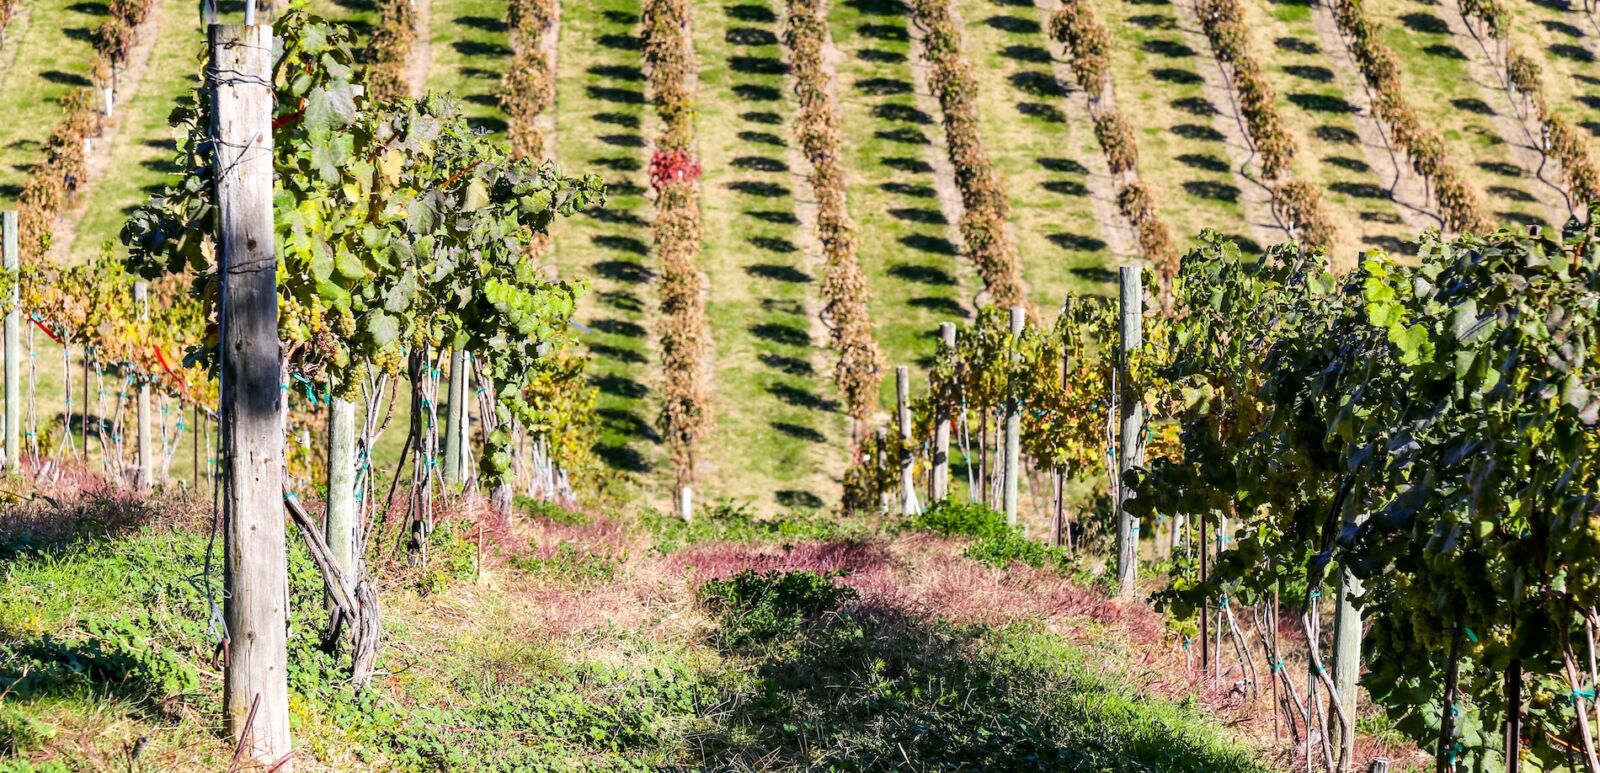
(1429, 429)
(844, 287)
(685, 414)
(1460, 200)
(985, 209)
(1087, 44)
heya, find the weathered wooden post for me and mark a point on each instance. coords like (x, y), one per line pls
(13, 344)
(1346, 654)
(255, 607)
(339, 521)
(941, 427)
(196, 429)
(882, 436)
(908, 489)
(455, 423)
(147, 458)
(1060, 530)
(1131, 447)
(1013, 466)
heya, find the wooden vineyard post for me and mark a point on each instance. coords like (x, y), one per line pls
(1131, 448)
(255, 690)
(455, 423)
(339, 522)
(195, 430)
(1060, 530)
(908, 489)
(8, 247)
(1346, 654)
(147, 459)
(941, 427)
(1013, 429)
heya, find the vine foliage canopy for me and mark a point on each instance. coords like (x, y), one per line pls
(399, 226)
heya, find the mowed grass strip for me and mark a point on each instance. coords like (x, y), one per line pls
(144, 158)
(1313, 100)
(1160, 90)
(1032, 148)
(51, 53)
(778, 415)
(1440, 86)
(469, 52)
(906, 252)
(600, 113)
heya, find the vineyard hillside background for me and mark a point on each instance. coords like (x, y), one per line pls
(780, 430)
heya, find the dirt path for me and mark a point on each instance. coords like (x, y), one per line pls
(1255, 196)
(65, 233)
(1405, 187)
(549, 45)
(944, 173)
(1102, 188)
(421, 58)
(1521, 133)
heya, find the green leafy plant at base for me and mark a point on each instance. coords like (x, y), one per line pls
(772, 606)
(993, 542)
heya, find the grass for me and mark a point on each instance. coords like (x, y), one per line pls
(1159, 89)
(599, 129)
(781, 669)
(1035, 151)
(779, 421)
(469, 52)
(362, 15)
(1313, 100)
(45, 57)
(1440, 87)
(910, 264)
(142, 161)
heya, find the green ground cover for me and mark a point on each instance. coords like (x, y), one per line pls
(106, 656)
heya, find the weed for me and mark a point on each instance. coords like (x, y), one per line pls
(452, 555)
(569, 563)
(993, 542)
(19, 732)
(729, 522)
(774, 606)
(543, 510)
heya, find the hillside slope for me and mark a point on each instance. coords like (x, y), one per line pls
(778, 437)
